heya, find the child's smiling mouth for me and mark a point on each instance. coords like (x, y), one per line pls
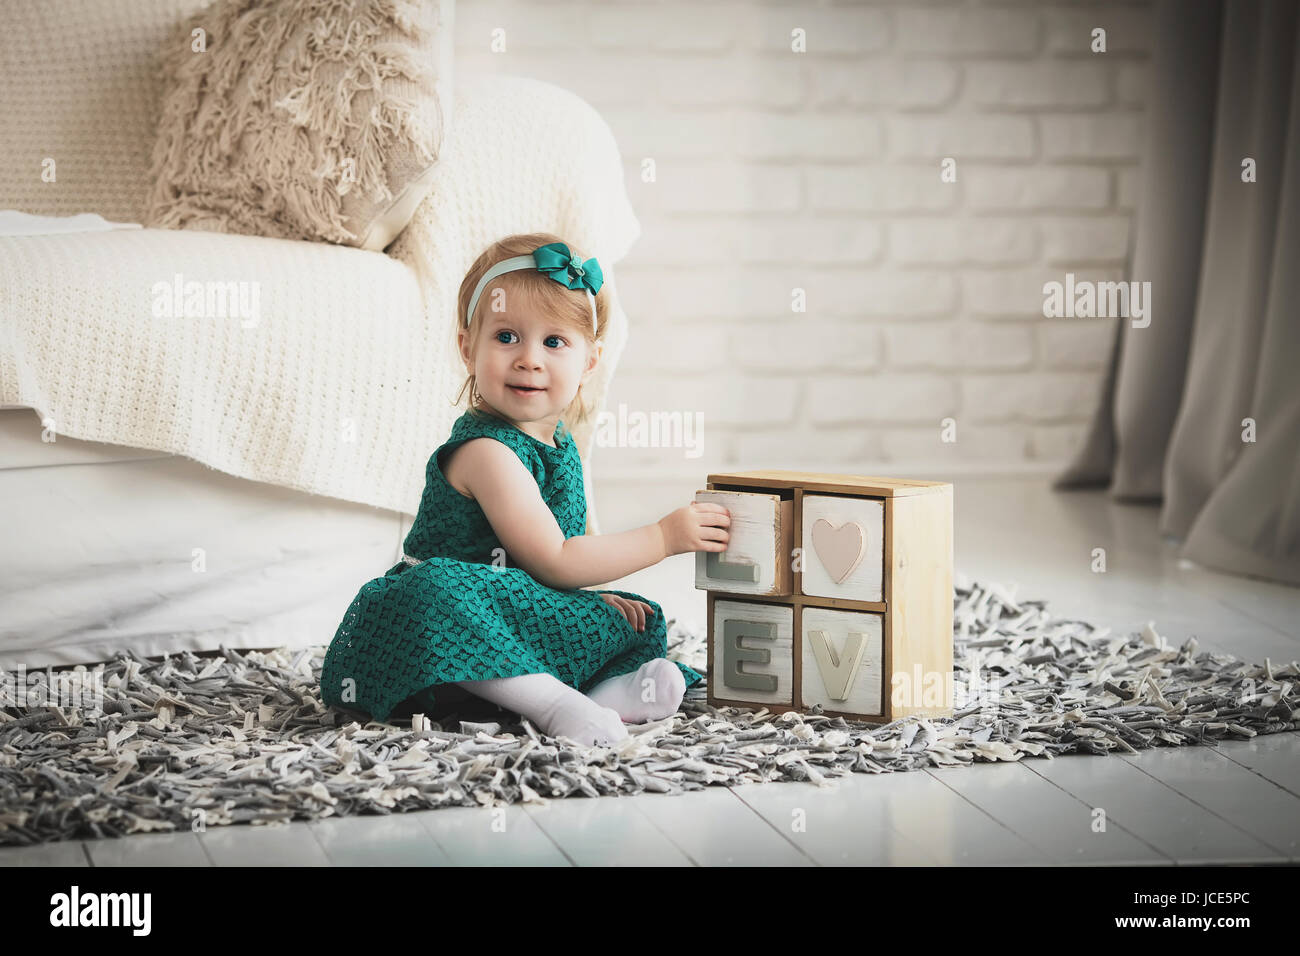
(525, 390)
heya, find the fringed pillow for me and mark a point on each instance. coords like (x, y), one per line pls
(302, 119)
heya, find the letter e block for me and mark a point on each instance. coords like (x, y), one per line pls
(751, 653)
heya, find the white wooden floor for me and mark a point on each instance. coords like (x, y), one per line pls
(1238, 803)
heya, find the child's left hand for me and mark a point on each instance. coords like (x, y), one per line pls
(634, 611)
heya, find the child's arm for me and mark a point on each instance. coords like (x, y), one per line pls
(507, 492)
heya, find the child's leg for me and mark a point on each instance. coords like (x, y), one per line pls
(652, 691)
(554, 706)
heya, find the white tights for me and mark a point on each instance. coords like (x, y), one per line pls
(653, 691)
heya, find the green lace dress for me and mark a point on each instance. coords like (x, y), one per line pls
(411, 633)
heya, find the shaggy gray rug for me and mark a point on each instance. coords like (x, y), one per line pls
(193, 741)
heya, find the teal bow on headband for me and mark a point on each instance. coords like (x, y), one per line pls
(556, 261)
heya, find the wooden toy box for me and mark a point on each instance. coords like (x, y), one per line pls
(834, 590)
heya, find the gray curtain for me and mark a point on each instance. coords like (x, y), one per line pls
(1223, 259)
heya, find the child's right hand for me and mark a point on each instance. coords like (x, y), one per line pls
(699, 526)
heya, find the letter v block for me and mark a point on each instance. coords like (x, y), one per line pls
(838, 674)
(841, 660)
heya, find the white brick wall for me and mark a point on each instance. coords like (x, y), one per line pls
(819, 171)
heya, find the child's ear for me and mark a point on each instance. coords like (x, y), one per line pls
(595, 356)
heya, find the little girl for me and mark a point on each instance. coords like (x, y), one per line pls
(491, 598)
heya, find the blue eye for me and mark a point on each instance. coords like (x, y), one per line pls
(557, 338)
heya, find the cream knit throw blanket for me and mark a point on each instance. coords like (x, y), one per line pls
(343, 387)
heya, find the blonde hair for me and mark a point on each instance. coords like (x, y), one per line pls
(570, 307)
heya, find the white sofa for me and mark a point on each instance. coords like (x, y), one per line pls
(149, 528)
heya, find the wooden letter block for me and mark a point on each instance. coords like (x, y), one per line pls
(842, 660)
(751, 658)
(844, 547)
(757, 557)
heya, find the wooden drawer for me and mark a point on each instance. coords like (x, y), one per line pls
(758, 556)
(843, 547)
(751, 653)
(842, 660)
(870, 601)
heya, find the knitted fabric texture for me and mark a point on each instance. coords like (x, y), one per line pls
(351, 374)
(456, 616)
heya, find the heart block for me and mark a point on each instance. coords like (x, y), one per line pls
(840, 549)
(844, 547)
(861, 628)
